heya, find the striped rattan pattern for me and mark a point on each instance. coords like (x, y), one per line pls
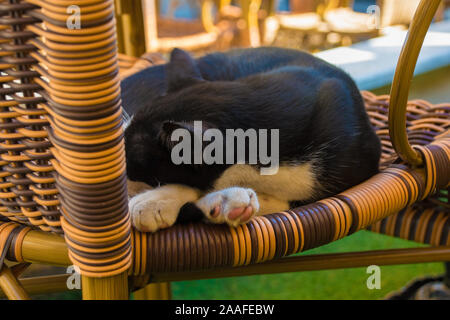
(28, 193)
(67, 93)
(86, 120)
(11, 237)
(419, 223)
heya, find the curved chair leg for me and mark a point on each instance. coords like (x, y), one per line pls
(154, 291)
(11, 286)
(108, 288)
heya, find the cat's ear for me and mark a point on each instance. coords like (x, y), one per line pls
(190, 129)
(167, 129)
(181, 71)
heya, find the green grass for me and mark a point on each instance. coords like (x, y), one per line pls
(328, 284)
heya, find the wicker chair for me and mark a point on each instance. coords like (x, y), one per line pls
(141, 29)
(63, 189)
(350, 25)
(298, 28)
(331, 23)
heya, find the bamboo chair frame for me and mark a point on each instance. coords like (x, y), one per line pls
(63, 171)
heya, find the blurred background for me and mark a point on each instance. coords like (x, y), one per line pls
(362, 36)
(205, 25)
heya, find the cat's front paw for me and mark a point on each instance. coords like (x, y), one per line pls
(150, 213)
(232, 206)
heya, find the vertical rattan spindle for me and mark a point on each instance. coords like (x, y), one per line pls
(78, 65)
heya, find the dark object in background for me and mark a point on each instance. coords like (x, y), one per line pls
(429, 288)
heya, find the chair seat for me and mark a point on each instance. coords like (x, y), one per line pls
(387, 203)
(391, 194)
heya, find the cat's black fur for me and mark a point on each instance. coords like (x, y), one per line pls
(316, 106)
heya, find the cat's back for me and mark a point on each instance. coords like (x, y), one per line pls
(238, 63)
(145, 86)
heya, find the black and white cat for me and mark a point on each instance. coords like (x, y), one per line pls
(325, 141)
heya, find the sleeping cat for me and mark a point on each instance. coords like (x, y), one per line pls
(325, 141)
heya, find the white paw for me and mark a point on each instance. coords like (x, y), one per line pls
(150, 213)
(233, 205)
(159, 208)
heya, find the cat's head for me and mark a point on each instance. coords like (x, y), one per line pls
(149, 156)
(148, 141)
